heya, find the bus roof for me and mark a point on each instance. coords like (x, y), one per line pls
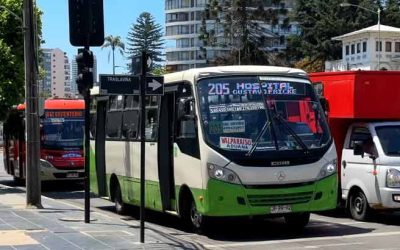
(58, 104)
(64, 104)
(208, 71)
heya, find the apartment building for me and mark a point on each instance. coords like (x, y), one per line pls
(57, 81)
(183, 22)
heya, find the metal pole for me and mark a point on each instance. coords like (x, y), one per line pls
(33, 183)
(142, 143)
(379, 39)
(87, 156)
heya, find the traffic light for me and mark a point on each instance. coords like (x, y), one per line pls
(85, 62)
(86, 22)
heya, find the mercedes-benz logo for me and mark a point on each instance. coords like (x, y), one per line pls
(280, 175)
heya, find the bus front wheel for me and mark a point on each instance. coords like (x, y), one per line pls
(120, 206)
(297, 221)
(191, 216)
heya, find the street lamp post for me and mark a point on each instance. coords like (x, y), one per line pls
(378, 12)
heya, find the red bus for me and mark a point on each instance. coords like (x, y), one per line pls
(61, 140)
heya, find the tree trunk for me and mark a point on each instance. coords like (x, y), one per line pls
(113, 52)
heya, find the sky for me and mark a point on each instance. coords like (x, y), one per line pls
(119, 15)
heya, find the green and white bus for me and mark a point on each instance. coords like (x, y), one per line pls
(221, 141)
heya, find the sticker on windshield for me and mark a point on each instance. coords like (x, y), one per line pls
(235, 143)
(215, 127)
(233, 126)
(236, 107)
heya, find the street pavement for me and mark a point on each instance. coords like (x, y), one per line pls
(60, 225)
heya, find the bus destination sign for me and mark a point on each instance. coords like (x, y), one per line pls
(63, 113)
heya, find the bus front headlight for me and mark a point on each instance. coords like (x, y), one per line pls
(222, 174)
(393, 178)
(45, 164)
(328, 169)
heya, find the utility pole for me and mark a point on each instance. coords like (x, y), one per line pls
(33, 183)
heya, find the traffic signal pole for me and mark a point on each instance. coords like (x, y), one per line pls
(87, 155)
(142, 143)
(33, 183)
(85, 61)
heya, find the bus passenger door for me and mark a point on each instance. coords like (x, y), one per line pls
(100, 137)
(165, 149)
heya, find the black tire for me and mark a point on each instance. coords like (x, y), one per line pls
(297, 221)
(193, 220)
(358, 206)
(19, 181)
(120, 206)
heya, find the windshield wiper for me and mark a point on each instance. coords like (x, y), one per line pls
(292, 133)
(262, 132)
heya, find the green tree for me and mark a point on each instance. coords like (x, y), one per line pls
(320, 21)
(12, 76)
(242, 26)
(159, 70)
(391, 13)
(113, 43)
(146, 35)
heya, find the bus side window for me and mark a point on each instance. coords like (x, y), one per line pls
(130, 124)
(151, 125)
(114, 125)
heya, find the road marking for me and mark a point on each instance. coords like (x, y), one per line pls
(270, 242)
(332, 245)
(337, 222)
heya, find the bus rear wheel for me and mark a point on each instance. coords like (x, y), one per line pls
(120, 206)
(297, 221)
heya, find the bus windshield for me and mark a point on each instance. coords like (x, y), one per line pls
(250, 114)
(62, 133)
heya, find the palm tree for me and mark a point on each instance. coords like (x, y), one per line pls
(114, 43)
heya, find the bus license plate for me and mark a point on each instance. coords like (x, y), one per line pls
(281, 209)
(72, 175)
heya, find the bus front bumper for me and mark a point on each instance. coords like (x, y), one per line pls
(49, 172)
(225, 199)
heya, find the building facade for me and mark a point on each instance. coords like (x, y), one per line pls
(373, 48)
(183, 22)
(57, 81)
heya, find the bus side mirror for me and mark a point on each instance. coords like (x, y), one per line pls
(324, 105)
(185, 107)
(187, 129)
(358, 149)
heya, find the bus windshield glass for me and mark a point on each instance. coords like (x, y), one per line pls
(250, 114)
(389, 138)
(62, 133)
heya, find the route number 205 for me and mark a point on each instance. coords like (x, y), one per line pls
(218, 89)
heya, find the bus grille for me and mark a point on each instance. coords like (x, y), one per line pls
(279, 199)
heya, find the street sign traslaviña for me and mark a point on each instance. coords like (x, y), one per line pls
(130, 85)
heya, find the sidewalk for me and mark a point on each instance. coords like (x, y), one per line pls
(60, 226)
